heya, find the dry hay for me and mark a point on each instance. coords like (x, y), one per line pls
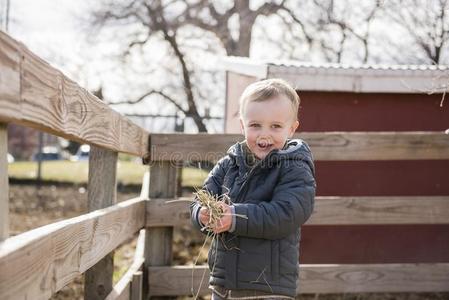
(213, 205)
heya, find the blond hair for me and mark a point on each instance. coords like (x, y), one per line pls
(267, 89)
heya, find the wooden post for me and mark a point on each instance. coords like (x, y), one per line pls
(4, 187)
(159, 240)
(101, 188)
(136, 286)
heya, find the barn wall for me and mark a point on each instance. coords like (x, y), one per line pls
(346, 111)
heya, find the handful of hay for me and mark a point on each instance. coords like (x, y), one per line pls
(213, 205)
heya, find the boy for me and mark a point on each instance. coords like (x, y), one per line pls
(270, 181)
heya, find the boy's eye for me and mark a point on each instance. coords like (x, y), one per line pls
(254, 125)
(276, 126)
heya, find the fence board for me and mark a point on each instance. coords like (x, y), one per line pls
(102, 187)
(380, 210)
(330, 211)
(137, 286)
(369, 278)
(324, 145)
(10, 60)
(159, 241)
(4, 186)
(122, 290)
(37, 95)
(37, 263)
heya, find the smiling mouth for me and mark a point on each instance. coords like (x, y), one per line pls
(264, 145)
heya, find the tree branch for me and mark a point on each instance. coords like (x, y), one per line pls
(149, 93)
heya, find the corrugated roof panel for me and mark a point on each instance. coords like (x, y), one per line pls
(346, 77)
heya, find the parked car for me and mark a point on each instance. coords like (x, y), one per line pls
(81, 154)
(48, 153)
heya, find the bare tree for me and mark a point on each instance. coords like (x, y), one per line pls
(151, 15)
(339, 30)
(427, 24)
(350, 21)
(218, 22)
(168, 19)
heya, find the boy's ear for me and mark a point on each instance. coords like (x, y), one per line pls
(242, 127)
(295, 126)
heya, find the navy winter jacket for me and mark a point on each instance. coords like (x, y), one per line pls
(277, 196)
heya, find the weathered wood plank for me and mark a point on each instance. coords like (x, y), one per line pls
(374, 278)
(324, 145)
(123, 288)
(137, 286)
(190, 147)
(367, 278)
(35, 94)
(37, 263)
(4, 186)
(380, 210)
(102, 187)
(102, 183)
(158, 245)
(168, 212)
(330, 211)
(10, 60)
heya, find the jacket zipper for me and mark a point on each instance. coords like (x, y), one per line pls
(248, 175)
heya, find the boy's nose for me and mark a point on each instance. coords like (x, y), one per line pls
(264, 137)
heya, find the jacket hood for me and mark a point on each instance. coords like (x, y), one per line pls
(295, 149)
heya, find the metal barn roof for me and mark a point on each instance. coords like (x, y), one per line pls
(347, 78)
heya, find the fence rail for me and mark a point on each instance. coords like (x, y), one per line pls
(318, 279)
(324, 145)
(329, 211)
(38, 263)
(35, 94)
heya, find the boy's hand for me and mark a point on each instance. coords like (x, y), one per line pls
(204, 216)
(224, 224)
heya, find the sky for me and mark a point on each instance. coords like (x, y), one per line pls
(47, 28)
(57, 34)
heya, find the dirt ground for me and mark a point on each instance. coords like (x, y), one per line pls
(31, 207)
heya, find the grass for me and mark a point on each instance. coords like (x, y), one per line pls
(128, 172)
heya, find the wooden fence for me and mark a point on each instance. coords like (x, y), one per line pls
(38, 263)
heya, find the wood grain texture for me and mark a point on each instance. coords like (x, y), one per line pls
(128, 283)
(137, 286)
(35, 94)
(102, 183)
(10, 61)
(380, 210)
(330, 211)
(4, 185)
(37, 263)
(368, 278)
(159, 242)
(324, 145)
(101, 187)
(168, 212)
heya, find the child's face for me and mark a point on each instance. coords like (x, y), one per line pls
(268, 124)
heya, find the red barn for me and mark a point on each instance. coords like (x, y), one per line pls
(364, 98)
